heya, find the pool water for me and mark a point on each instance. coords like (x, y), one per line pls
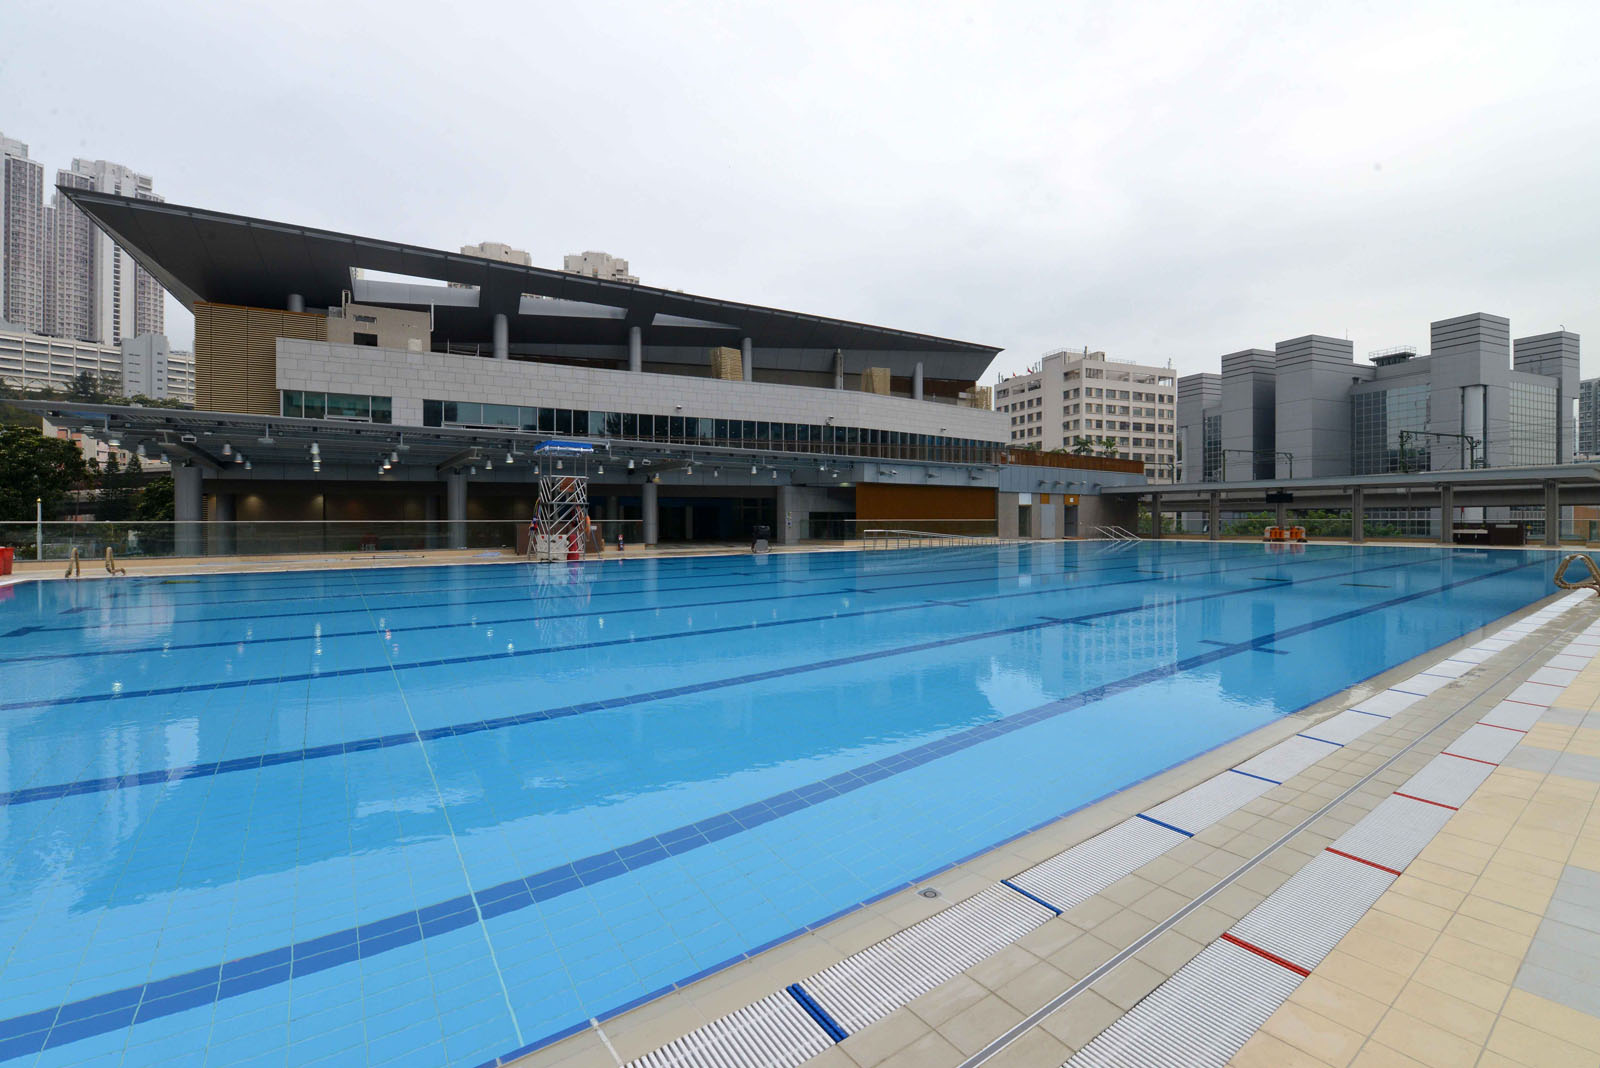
(437, 815)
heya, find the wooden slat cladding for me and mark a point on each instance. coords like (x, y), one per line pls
(888, 504)
(236, 354)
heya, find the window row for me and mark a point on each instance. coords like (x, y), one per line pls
(350, 407)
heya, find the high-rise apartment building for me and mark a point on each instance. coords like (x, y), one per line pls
(498, 251)
(1306, 409)
(125, 300)
(22, 237)
(1589, 417)
(598, 265)
(1084, 401)
(69, 265)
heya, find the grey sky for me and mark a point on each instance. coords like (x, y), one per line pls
(1161, 181)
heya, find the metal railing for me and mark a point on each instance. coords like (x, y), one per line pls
(1116, 533)
(923, 539)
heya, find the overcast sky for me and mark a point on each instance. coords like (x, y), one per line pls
(1160, 181)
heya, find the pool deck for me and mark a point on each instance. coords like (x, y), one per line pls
(1475, 944)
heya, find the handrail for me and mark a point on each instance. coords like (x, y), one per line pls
(1116, 533)
(1590, 583)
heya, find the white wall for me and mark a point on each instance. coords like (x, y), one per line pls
(411, 377)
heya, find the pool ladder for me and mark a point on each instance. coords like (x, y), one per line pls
(1118, 533)
(1590, 583)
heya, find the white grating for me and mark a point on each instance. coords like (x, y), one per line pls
(1195, 810)
(1387, 702)
(1447, 780)
(1484, 743)
(1395, 832)
(1070, 878)
(1286, 759)
(1450, 669)
(774, 1032)
(1422, 684)
(869, 985)
(1555, 676)
(1513, 714)
(1305, 917)
(1536, 693)
(1198, 1018)
(1344, 728)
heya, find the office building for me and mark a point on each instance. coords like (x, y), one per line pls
(22, 237)
(1084, 402)
(598, 265)
(150, 369)
(1589, 417)
(1306, 409)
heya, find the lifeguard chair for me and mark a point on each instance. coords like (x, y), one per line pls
(563, 526)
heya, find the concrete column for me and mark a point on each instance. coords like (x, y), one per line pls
(1214, 517)
(297, 303)
(224, 542)
(430, 512)
(786, 530)
(647, 499)
(635, 349)
(502, 343)
(188, 509)
(455, 509)
(1358, 515)
(1447, 513)
(838, 368)
(1282, 518)
(1155, 515)
(688, 523)
(916, 382)
(1552, 514)
(749, 352)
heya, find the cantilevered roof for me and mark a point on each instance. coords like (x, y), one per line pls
(203, 255)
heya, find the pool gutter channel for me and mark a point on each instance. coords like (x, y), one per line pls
(888, 974)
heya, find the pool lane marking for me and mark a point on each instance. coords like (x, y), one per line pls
(1009, 885)
(816, 1012)
(1163, 823)
(606, 611)
(1283, 962)
(235, 683)
(1253, 775)
(30, 794)
(1363, 860)
(273, 966)
(455, 843)
(1425, 801)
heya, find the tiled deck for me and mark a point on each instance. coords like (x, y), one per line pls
(1461, 955)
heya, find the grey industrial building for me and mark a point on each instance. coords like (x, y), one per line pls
(1307, 409)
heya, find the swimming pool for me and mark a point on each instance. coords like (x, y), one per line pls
(437, 815)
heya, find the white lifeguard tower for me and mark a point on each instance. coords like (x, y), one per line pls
(563, 526)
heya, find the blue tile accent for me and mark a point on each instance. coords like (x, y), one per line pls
(1168, 826)
(1324, 741)
(829, 1026)
(1008, 884)
(1251, 775)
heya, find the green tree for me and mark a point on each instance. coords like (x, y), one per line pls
(118, 489)
(1108, 446)
(1082, 446)
(156, 501)
(34, 466)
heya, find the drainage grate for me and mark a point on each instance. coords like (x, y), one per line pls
(1070, 878)
(1198, 1018)
(1394, 832)
(775, 1032)
(869, 985)
(1305, 917)
(1447, 780)
(1195, 810)
(1344, 728)
(1286, 759)
(1489, 744)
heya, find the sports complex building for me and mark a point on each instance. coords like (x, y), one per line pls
(342, 379)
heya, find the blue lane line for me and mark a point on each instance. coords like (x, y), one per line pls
(816, 1012)
(1324, 741)
(31, 794)
(105, 1012)
(1252, 775)
(1037, 900)
(1364, 712)
(1168, 826)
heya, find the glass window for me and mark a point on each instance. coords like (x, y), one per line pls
(563, 420)
(662, 427)
(349, 406)
(613, 424)
(630, 425)
(675, 427)
(501, 415)
(381, 409)
(293, 403)
(432, 413)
